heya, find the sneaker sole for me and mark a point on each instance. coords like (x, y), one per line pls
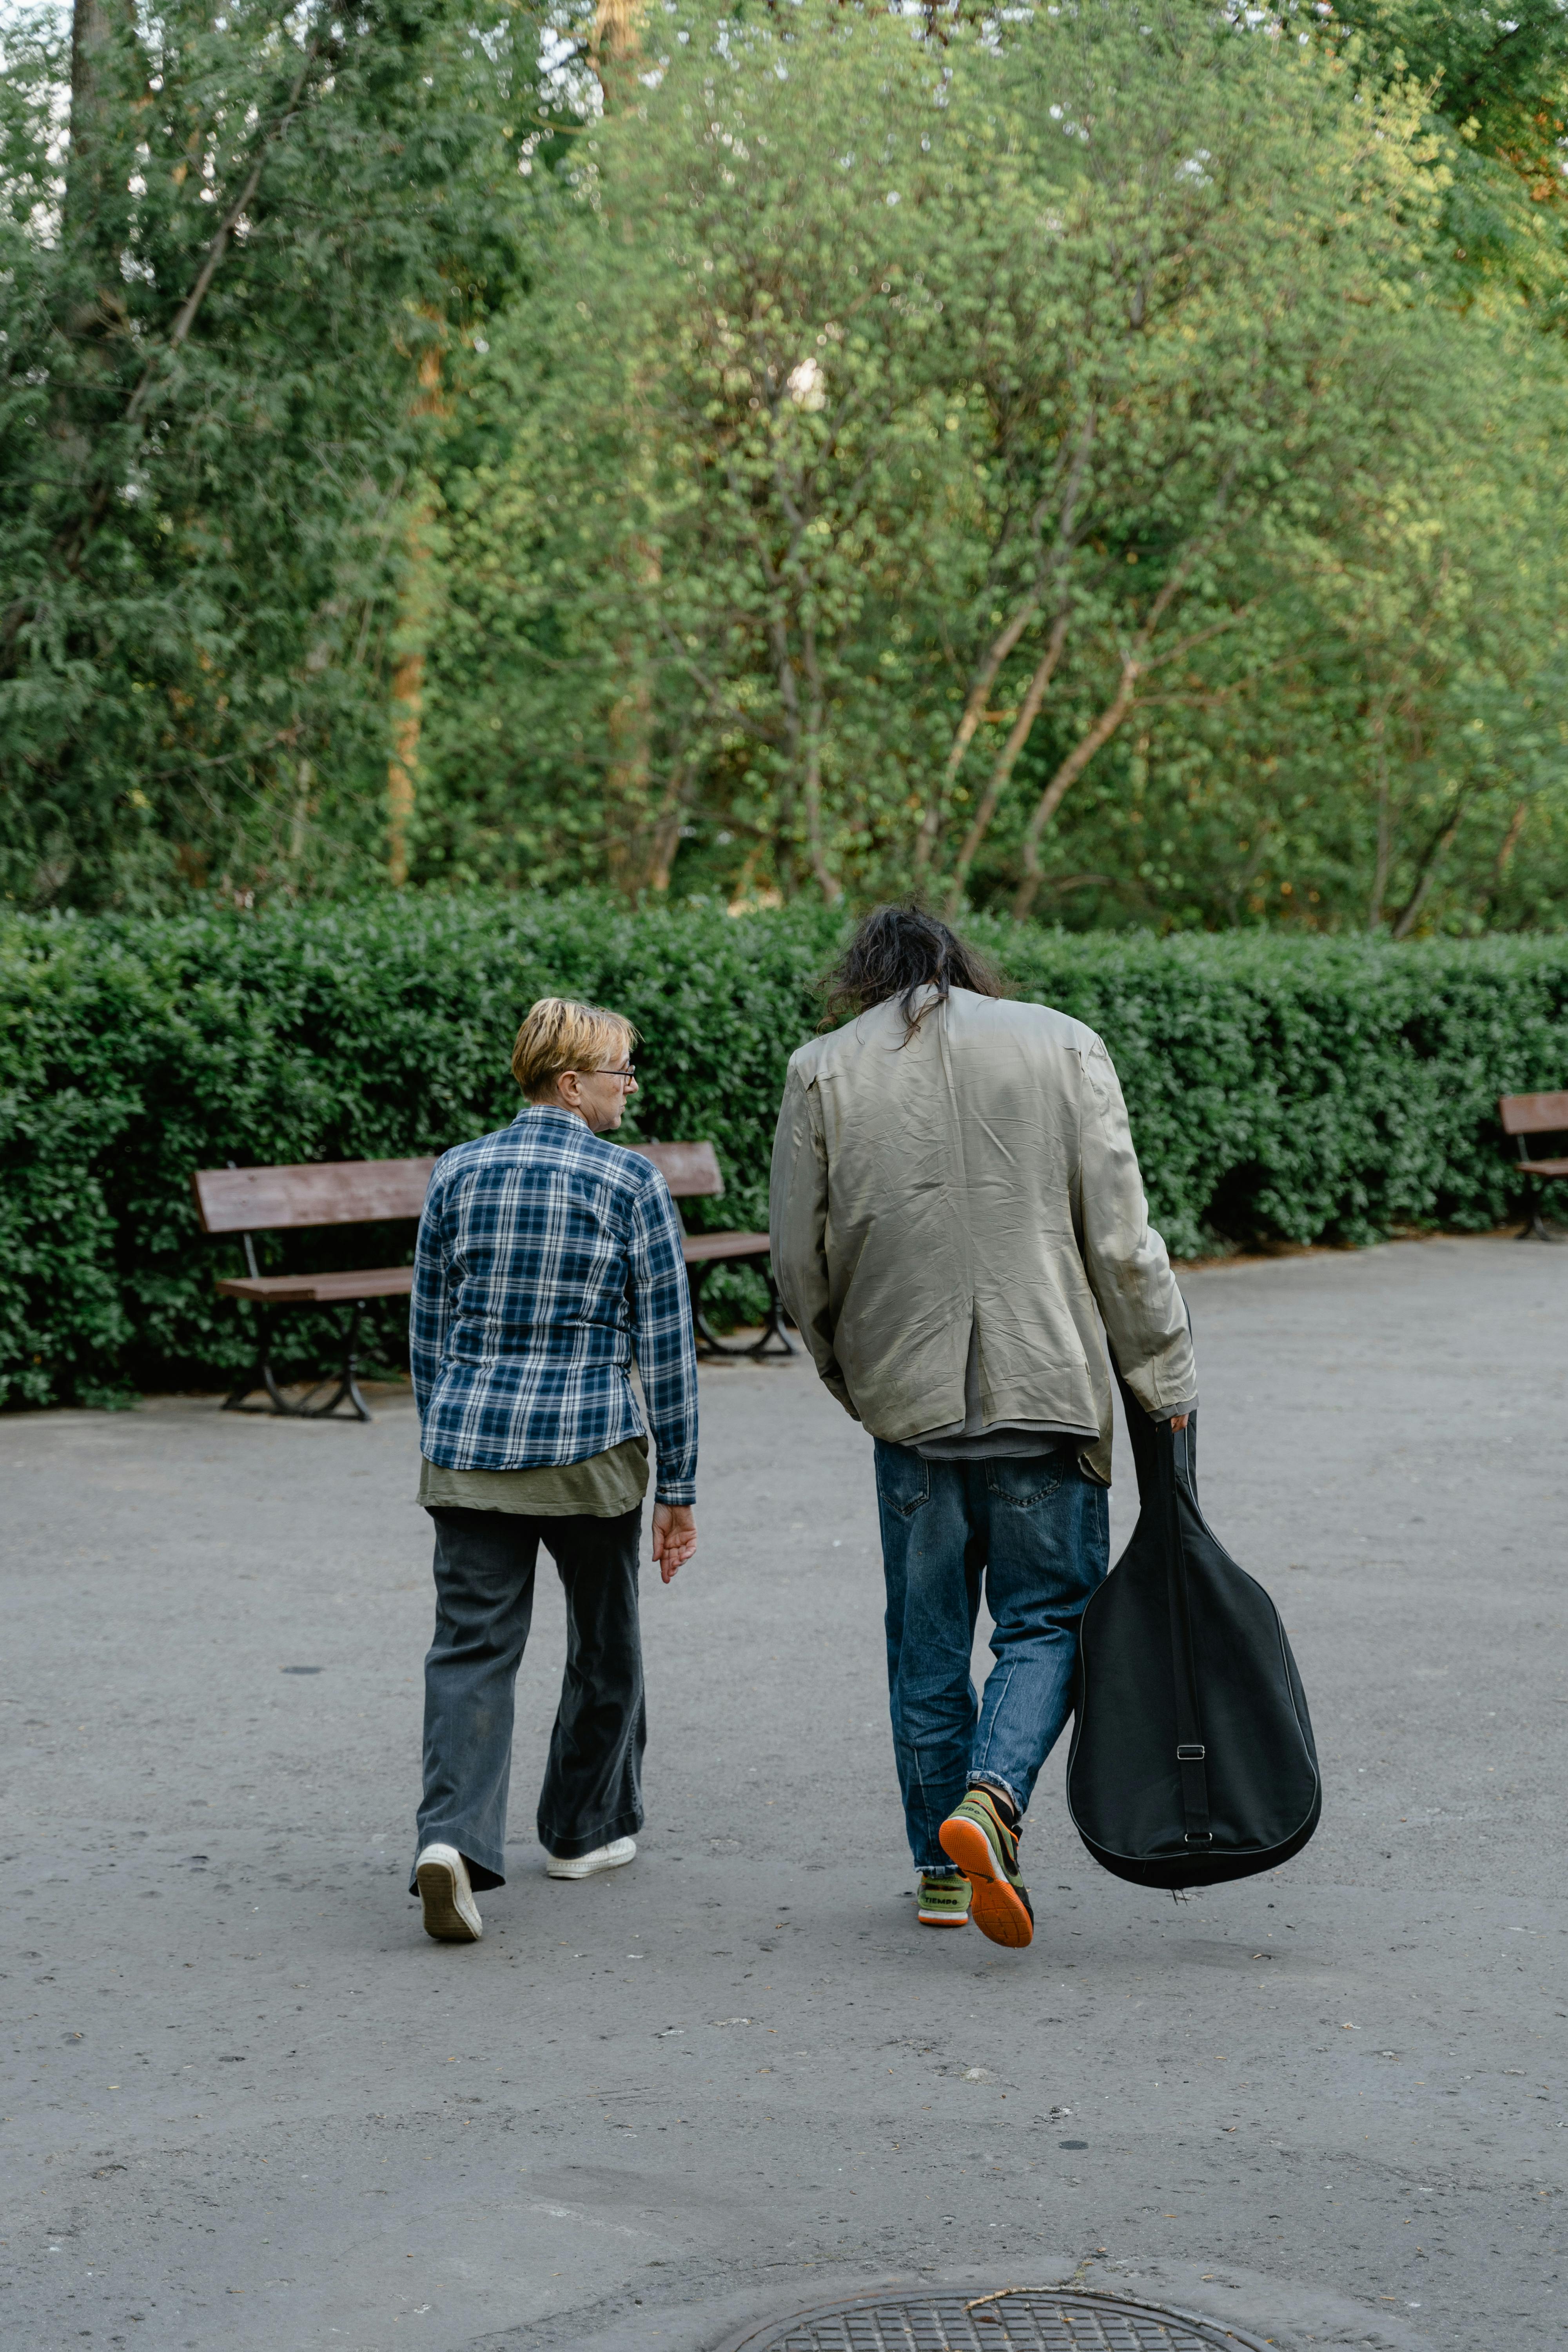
(942, 1918)
(439, 1894)
(995, 1908)
(584, 1868)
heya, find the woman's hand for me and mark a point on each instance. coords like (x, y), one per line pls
(674, 1535)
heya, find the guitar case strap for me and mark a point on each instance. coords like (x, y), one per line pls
(1191, 1753)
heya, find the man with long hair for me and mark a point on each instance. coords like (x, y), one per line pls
(954, 1196)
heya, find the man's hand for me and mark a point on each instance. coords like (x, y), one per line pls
(1179, 1421)
(674, 1535)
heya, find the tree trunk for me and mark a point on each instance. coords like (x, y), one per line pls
(407, 713)
(1021, 728)
(631, 851)
(665, 840)
(630, 730)
(212, 261)
(1509, 844)
(811, 778)
(789, 698)
(413, 635)
(1049, 572)
(615, 46)
(1384, 853)
(92, 34)
(1406, 921)
(1135, 661)
(92, 28)
(1071, 767)
(973, 711)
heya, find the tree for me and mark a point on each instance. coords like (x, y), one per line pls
(1497, 86)
(1104, 461)
(720, 430)
(210, 419)
(895, 427)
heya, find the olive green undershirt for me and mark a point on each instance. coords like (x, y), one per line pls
(605, 1486)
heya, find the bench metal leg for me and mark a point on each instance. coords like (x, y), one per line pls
(260, 1375)
(263, 1377)
(709, 1343)
(347, 1390)
(1538, 1230)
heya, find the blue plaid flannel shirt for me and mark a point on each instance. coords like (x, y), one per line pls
(543, 1253)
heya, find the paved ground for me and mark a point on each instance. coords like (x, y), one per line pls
(251, 2105)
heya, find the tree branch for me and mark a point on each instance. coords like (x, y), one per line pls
(986, 678)
(73, 544)
(1132, 668)
(1027, 713)
(1071, 767)
(1135, 663)
(1383, 854)
(827, 881)
(185, 318)
(1427, 872)
(719, 706)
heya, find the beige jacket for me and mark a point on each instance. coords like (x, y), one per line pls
(980, 1176)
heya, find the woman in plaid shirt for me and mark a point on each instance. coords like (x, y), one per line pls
(544, 1254)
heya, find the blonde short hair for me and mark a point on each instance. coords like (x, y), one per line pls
(561, 1035)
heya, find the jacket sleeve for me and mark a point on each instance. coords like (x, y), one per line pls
(1129, 1272)
(797, 1226)
(429, 1305)
(666, 1350)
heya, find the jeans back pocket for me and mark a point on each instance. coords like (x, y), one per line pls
(1018, 1480)
(903, 1478)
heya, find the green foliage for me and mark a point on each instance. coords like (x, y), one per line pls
(210, 424)
(1497, 84)
(1304, 1089)
(1104, 460)
(1060, 467)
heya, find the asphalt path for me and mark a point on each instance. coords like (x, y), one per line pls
(248, 2104)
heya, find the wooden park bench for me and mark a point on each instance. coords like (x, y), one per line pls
(1539, 1125)
(248, 1200)
(692, 1171)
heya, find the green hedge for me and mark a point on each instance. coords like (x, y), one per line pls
(1306, 1089)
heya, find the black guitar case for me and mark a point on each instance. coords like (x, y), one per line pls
(1192, 1757)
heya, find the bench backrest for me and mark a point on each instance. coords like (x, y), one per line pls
(333, 1193)
(1536, 1115)
(690, 1169)
(1533, 1114)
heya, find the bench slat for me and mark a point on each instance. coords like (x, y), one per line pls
(1533, 1114)
(703, 1248)
(324, 1290)
(333, 1193)
(690, 1169)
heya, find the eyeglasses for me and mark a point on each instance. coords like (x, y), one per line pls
(626, 1076)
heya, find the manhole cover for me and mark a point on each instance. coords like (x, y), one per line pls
(1022, 2319)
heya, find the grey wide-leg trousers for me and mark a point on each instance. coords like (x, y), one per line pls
(484, 1601)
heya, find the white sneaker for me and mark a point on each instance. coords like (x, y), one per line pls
(584, 1865)
(451, 1915)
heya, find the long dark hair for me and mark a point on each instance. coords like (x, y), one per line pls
(898, 951)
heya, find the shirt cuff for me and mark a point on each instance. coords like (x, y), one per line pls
(1170, 1411)
(676, 1491)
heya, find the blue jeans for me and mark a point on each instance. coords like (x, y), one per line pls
(1038, 1532)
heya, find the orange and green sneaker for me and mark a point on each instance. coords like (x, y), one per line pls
(943, 1899)
(986, 1850)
